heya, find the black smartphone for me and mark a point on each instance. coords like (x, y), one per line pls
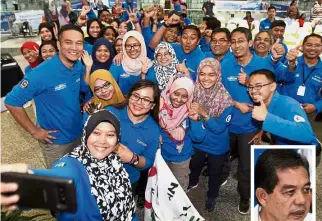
(43, 192)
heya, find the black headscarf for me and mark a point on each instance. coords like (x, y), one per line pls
(108, 63)
(49, 27)
(90, 39)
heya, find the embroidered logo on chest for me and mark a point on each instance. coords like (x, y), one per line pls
(232, 78)
(141, 142)
(125, 75)
(60, 87)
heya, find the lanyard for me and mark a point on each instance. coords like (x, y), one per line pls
(305, 79)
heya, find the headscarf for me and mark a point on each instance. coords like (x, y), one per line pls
(172, 119)
(90, 39)
(110, 183)
(106, 76)
(49, 27)
(215, 99)
(163, 74)
(52, 8)
(34, 47)
(98, 65)
(52, 43)
(133, 66)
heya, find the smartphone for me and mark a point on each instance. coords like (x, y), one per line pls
(43, 192)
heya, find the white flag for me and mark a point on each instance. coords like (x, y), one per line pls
(165, 200)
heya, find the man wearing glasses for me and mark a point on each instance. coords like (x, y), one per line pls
(220, 45)
(280, 115)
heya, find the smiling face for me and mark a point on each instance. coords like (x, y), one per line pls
(170, 35)
(271, 13)
(179, 97)
(312, 48)
(207, 77)
(102, 141)
(189, 40)
(141, 102)
(70, 46)
(163, 57)
(219, 43)
(291, 197)
(122, 28)
(94, 29)
(239, 44)
(118, 46)
(115, 26)
(103, 89)
(265, 91)
(30, 55)
(102, 54)
(109, 34)
(47, 51)
(278, 32)
(133, 47)
(262, 43)
(45, 34)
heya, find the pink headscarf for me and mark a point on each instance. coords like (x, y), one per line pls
(171, 119)
(133, 66)
(215, 99)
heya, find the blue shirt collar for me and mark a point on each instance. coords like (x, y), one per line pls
(62, 67)
(273, 102)
(144, 124)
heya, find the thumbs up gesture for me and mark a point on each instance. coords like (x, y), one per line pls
(242, 77)
(145, 66)
(183, 68)
(277, 50)
(293, 53)
(260, 112)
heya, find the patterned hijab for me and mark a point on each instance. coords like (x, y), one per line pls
(172, 120)
(98, 65)
(215, 99)
(133, 66)
(164, 73)
(110, 183)
(106, 76)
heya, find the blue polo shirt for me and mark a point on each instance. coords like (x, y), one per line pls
(148, 35)
(193, 59)
(287, 122)
(124, 80)
(141, 138)
(227, 56)
(27, 69)
(55, 90)
(313, 82)
(242, 123)
(205, 47)
(265, 25)
(71, 168)
(216, 140)
(194, 132)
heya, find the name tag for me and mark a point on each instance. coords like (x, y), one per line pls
(301, 90)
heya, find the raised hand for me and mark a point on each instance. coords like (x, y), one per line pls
(193, 112)
(124, 153)
(173, 20)
(242, 77)
(132, 15)
(277, 50)
(260, 112)
(145, 66)
(183, 68)
(293, 53)
(87, 59)
(149, 12)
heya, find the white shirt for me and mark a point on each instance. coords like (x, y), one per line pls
(257, 209)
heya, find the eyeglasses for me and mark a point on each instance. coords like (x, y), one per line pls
(220, 41)
(313, 45)
(159, 55)
(238, 42)
(257, 87)
(130, 47)
(144, 101)
(105, 86)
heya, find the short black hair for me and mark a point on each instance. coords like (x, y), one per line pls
(108, 27)
(184, 4)
(245, 31)
(117, 21)
(312, 35)
(222, 30)
(192, 27)
(103, 10)
(278, 23)
(271, 7)
(69, 27)
(272, 160)
(269, 74)
(213, 24)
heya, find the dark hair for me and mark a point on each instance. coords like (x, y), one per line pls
(213, 24)
(192, 27)
(89, 23)
(52, 43)
(272, 160)
(49, 27)
(108, 27)
(69, 27)
(271, 7)
(278, 23)
(271, 38)
(103, 10)
(292, 3)
(243, 30)
(312, 35)
(269, 74)
(302, 15)
(184, 4)
(222, 30)
(156, 97)
(117, 21)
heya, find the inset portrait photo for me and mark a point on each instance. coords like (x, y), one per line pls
(283, 183)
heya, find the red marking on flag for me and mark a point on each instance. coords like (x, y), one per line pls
(147, 204)
(153, 171)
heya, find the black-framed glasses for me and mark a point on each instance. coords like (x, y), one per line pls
(105, 86)
(238, 42)
(257, 87)
(130, 47)
(135, 97)
(220, 41)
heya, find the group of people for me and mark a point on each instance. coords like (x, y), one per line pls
(106, 102)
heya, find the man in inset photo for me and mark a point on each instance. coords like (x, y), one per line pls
(283, 188)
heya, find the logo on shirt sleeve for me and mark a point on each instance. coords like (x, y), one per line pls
(228, 118)
(298, 119)
(24, 84)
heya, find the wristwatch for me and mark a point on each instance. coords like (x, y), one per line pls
(135, 160)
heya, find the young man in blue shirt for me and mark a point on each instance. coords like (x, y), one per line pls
(55, 87)
(266, 23)
(242, 128)
(220, 45)
(277, 30)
